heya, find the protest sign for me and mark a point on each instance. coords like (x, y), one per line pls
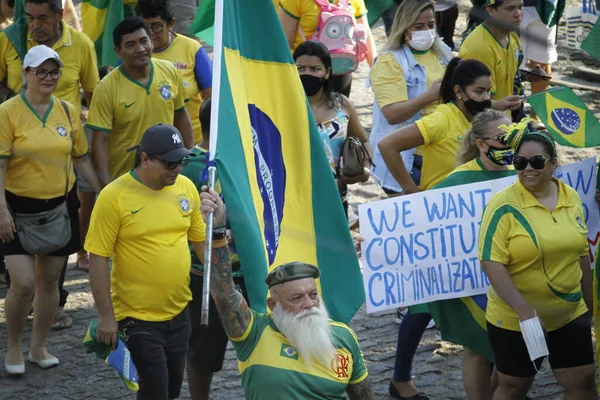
(423, 247)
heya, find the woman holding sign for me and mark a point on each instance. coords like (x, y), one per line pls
(533, 247)
(485, 154)
(465, 93)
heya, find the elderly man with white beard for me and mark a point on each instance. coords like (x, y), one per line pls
(295, 352)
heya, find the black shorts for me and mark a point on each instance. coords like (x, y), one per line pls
(28, 205)
(569, 346)
(206, 348)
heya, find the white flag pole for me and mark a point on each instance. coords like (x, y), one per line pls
(214, 131)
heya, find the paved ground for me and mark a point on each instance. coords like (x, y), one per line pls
(436, 368)
(82, 376)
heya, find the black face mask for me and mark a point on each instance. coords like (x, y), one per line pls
(311, 84)
(475, 107)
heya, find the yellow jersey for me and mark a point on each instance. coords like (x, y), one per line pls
(40, 150)
(195, 68)
(540, 250)
(146, 233)
(307, 12)
(124, 109)
(76, 52)
(442, 133)
(389, 84)
(502, 61)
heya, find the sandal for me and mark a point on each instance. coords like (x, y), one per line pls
(83, 262)
(61, 321)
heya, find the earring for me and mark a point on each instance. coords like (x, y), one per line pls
(460, 98)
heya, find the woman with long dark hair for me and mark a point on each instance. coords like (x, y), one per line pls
(336, 117)
(464, 93)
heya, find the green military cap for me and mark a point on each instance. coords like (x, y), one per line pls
(290, 272)
(492, 2)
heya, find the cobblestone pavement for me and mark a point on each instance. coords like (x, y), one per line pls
(437, 366)
(82, 376)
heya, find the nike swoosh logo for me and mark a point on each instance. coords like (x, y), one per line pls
(136, 211)
(129, 105)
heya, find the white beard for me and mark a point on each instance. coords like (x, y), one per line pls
(308, 332)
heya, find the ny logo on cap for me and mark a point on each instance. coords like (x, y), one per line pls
(176, 138)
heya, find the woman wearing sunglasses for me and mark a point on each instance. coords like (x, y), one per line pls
(533, 247)
(41, 138)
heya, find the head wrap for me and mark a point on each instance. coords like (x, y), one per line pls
(517, 131)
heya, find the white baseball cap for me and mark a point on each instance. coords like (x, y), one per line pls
(38, 54)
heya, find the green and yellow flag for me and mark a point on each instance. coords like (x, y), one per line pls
(591, 44)
(566, 117)
(282, 200)
(99, 18)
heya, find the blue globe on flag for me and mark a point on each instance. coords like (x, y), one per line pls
(566, 120)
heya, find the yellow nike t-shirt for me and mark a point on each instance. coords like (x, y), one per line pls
(146, 233)
(502, 61)
(124, 109)
(307, 12)
(442, 133)
(540, 250)
(40, 150)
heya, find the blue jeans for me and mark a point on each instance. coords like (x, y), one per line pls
(409, 335)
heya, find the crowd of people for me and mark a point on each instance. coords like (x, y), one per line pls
(107, 162)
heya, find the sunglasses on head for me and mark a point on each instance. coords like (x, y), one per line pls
(536, 162)
(171, 165)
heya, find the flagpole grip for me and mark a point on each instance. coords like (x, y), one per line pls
(207, 255)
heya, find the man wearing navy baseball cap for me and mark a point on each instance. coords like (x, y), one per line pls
(144, 220)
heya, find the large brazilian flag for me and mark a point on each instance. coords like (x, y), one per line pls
(281, 197)
(99, 18)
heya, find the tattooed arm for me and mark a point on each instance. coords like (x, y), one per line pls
(232, 306)
(360, 391)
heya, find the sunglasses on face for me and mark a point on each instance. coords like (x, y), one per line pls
(171, 165)
(500, 138)
(536, 162)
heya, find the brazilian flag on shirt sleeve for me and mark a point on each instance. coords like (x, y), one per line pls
(282, 200)
(99, 18)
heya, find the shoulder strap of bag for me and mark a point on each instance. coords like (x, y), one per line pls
(68, 170)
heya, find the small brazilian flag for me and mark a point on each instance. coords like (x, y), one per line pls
(99, 18)
(288, 351)
(282, 200)
(566, 117)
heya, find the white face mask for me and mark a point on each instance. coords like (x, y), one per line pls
(422, 40)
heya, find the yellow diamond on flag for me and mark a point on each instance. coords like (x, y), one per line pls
(566, 119)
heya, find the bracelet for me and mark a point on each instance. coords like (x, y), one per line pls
(218, 235)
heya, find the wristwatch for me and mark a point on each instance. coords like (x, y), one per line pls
(218, 233)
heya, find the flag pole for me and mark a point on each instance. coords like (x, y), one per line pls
(212, 170)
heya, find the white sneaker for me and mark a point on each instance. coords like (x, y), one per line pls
(400, 314)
